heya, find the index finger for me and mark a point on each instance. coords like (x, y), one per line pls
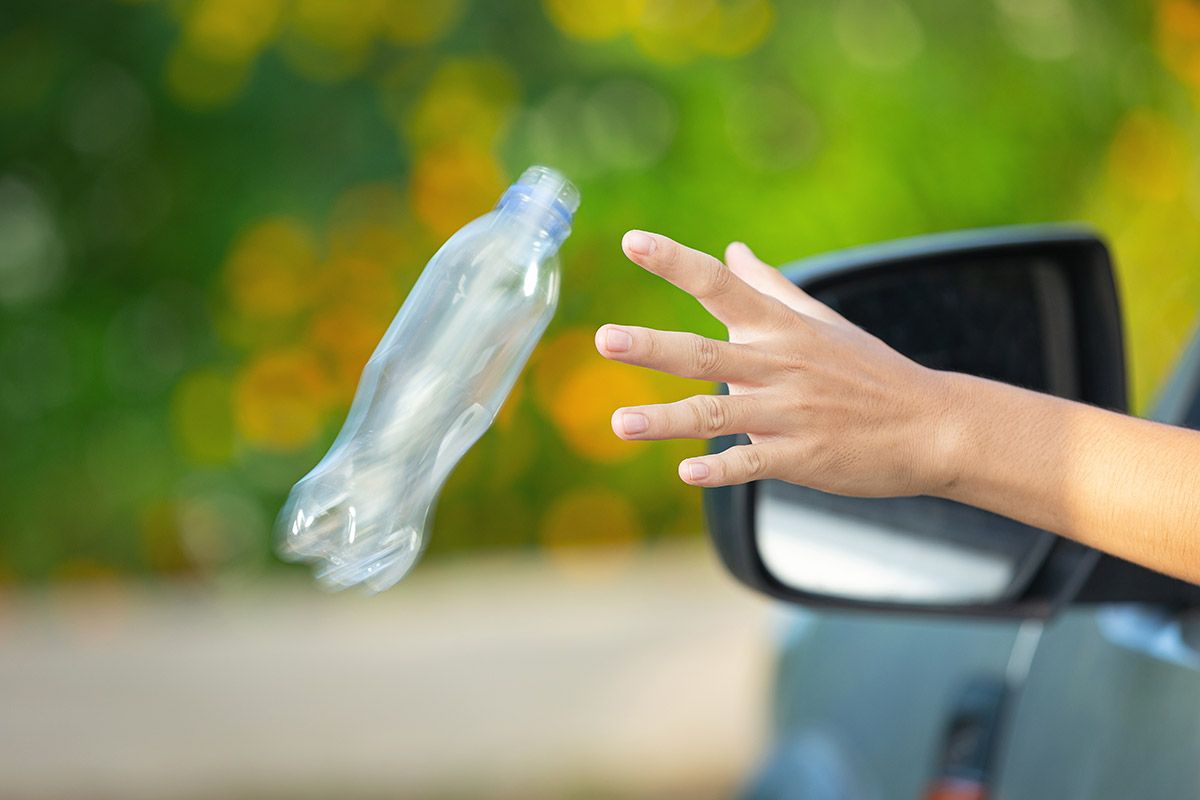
(726, 296)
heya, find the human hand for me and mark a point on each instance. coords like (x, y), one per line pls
(825, 404)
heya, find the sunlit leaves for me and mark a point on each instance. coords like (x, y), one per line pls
(211, 209)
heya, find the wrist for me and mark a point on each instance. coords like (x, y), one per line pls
(953, 408)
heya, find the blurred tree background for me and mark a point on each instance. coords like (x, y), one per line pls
(210, 210)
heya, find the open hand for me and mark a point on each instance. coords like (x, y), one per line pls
(825, 404)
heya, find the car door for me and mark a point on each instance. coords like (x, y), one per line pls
(862, 701)
(1103, 702)
(1111, 704)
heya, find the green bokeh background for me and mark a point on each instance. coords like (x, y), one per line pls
(210, 208)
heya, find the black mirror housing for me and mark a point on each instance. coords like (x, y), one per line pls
(941, 300)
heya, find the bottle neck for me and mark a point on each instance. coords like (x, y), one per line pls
(545, 220)
(543, 202)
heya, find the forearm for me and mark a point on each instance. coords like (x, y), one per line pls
(1124, 485)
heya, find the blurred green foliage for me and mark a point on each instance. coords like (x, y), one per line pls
(209, 210)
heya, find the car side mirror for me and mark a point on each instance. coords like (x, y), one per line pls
(1033, 306)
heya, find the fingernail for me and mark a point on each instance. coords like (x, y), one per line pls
(632, 422)
(617, 340)
(639, 243)
(697, 470)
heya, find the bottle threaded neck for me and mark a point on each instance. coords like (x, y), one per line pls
(547, 193)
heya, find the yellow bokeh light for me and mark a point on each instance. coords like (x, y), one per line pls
(1159, 286)
(579, 390)
(593, 20)
(231, 31)
(419, 21)
(200, 82)
(362, 283)
(466, 100)
(1178, 34)
(281, 399)
(328, 40)
(201, 417)
(668, 31)
(345, 337)
(1149, 157)
(1148, 196)
(553, 360)
(321, 64)
(336, 24)
(453, 184)
(508, 411)
(584, 405)
(380, 202)
(591, 532)
(732, 29)
(272, 269)
(374, 221)
(383, 244)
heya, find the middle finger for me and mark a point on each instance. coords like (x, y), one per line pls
(684, 354)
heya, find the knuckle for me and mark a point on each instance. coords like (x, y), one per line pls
(711, 415)
(791, 323)
(719, 279)
(801, 406)
(651, 347)
(752, 462)
(706, 356)
(794, 361)
(782, 319)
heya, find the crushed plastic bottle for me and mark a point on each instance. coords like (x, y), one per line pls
(431, 388)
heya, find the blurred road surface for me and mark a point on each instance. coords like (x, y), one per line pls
(643, 677)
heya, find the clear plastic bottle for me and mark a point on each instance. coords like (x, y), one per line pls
(431, 388)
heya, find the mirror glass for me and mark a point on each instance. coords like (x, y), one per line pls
(1003, 318)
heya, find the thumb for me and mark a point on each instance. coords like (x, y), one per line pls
(742, 262)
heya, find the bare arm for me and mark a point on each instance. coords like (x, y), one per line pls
(828, 405)
(1124, 485)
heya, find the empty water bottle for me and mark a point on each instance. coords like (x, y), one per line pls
(431, 388)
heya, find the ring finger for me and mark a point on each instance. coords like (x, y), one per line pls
(700, 417)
